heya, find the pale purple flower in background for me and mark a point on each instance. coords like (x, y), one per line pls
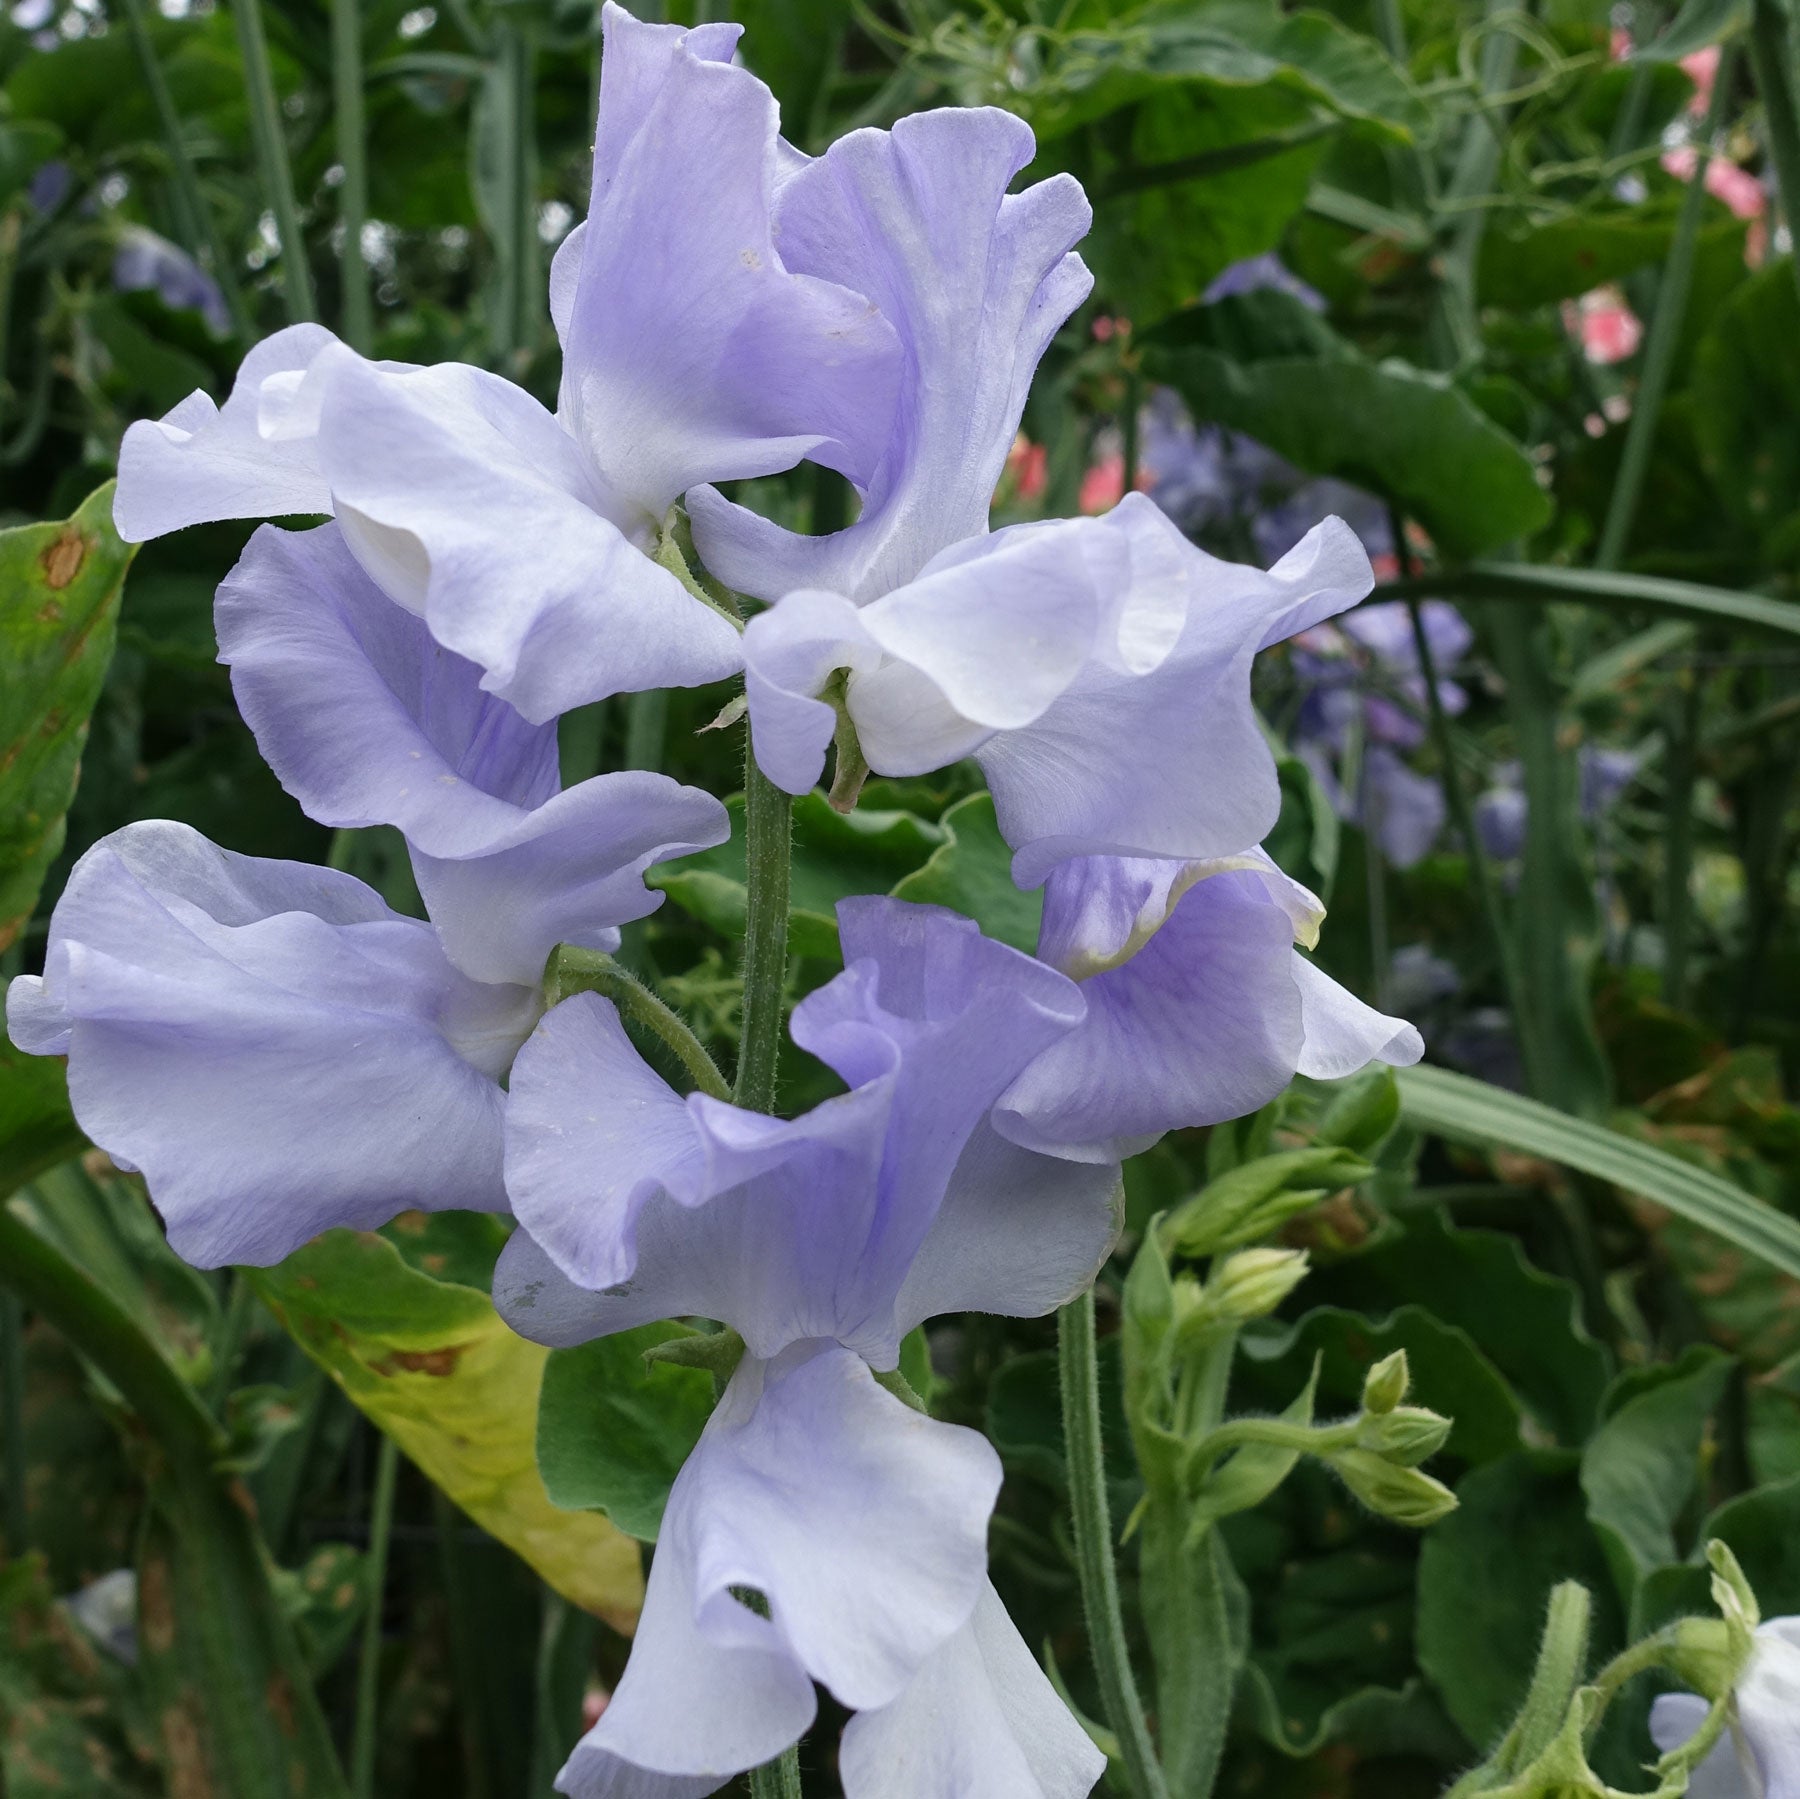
(1256, 273)
(1097, 669)
(145, 262)
(106, 1609)
(691, 353)
(1759, 1755)
(822, 1240)
(1200, 1005)
(49, 187)
(1602, 775)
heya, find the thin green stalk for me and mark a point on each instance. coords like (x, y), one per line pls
(779, 1779)
(768, 854)
(515, 227)
(646, 729)
(1462, 813)
(1772, 64)
(1129, 429)
(1077, 1356)
(368, 1665)
(272, 158)
(592, 971)
(1665, 333)
(466, 1661)
(236, 1326)
(12, 1399)
(190, 201)
(1375, 888)
(1678, 835)
(350, 128)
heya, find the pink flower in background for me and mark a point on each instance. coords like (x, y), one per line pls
(1700, 68)
(1609, 330)
(1103, 486)
(1026, 468)
(1736, 187)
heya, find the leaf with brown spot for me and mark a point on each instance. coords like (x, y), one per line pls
(59, 606)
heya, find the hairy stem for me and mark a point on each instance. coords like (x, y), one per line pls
(768, 849)
(593, 971)
(1094, 1548)
(779, 1779)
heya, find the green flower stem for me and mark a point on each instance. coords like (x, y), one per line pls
(646, 728)
(351, 132)
(1681, 772)
(368, 1664)
(1094, 1548)
(1665, 333)
(768, 851)
(271, 155)
(1772, 62)
(1463, 813)
(779, 1779)
(196, 215)
(592, 971)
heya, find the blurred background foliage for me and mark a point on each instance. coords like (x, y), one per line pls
(1512, 288)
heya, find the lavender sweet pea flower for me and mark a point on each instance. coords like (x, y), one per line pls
(1255, 273)
(366, 720)
(1200, 1007)
(976, 281)
(691, 353)
(1759, 1755)
(1097, 669)
(272, 1047)
(144, 261)
(822, 1240)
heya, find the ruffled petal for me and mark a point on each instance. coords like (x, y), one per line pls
(976, 282)
(1171, 763)
(363, 717)
(472, 506)
(1018, 1234)
(790, 652)
(570, 872)
(203, 462)
(1342, 1034)
(1202, 1023)
(691, 352)
(979, 1717)
(272, 1047)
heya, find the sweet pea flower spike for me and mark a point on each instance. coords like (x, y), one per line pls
(272, 1047)
(1200, 1007)
(367, 721)
(1097, 669)
(526, 540)
(976, 282)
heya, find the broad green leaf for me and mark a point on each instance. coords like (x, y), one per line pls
(1525, 1322)
(1388, 426)
(70, 1723)
(970, 871)
(37, 1129)
(1746, 387)
(1762, 1529)
(1024, 1420)
(59, 608)
(613, 1429)
(1640, 1468)
(431, 1364)
(1651, 594)
(1450, 1374)
(1485, 1575)
(1471, 1111)
(835, 855)
(1536, 265)
(1376, 1721)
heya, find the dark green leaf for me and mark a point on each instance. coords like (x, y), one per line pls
(970, 871)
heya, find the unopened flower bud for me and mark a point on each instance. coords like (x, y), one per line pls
(1253, 1282)
(1705, 1655)
(1406, 1435)
(1386, 1383)
(1402, 1494)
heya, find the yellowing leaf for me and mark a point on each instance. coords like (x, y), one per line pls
(432, 1364)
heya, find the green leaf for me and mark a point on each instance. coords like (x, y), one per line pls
(1746, 396)
(1698, 24)
(1640, 1468)
(1388, 426)
(1536, 265)
(1485, 1575)
(1525, 1322)
(613, 1430)
(1762, 1529)
(970, 871)
(835, 856)
(37, 1129)
(431, 1364)
(1471, 1111)
(1660, 598)
(59, 608)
